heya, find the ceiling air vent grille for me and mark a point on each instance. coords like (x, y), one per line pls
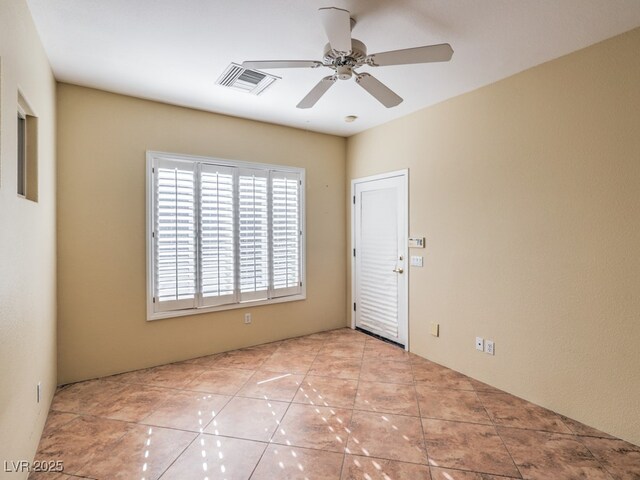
(250, 81)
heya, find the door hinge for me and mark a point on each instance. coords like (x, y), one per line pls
(354, 199)
(300, 283)
(154, 299)
(354, 252)
(153, 170)
(354, 306)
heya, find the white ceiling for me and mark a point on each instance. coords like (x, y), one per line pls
(174, 50)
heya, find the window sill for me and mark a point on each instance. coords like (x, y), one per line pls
(151, 315)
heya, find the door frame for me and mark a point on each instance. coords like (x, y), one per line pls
(404, 300)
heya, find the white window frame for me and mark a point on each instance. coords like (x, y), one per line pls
(154, 156)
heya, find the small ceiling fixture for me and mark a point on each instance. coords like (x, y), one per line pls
(350, 118)
(344, 54)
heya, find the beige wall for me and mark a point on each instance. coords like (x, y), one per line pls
(102, 139)
(528, 194)
(27, 243)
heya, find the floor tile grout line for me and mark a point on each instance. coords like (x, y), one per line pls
(147, 424)
(378, 457)
(270, 437)
(492, 424)
(576, 438)
(344, 449)
(115, 441)
(281, 420)
(424, 436)
(495, 428)
(602, 465)
(465, 470)
(218, 413)
(355, 399)
(178, 456)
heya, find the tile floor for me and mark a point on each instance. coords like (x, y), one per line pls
(334, 405)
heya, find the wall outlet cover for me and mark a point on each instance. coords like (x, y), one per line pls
(435, 329)
(480, 344)
(489, 347)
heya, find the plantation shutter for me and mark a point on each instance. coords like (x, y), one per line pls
(175, 235)
(286, 233)
(217, 233)
(253, 234)
(222, 233)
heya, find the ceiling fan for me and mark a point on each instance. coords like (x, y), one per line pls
(344, 54)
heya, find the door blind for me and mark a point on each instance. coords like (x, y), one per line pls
(377, 258)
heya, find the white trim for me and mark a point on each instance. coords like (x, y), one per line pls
(405, 301)
(381, 176)
(24, 111)
(224, 161)
(153, 157)
(220, 308)
(149, 234)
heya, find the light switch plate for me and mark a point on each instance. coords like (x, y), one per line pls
(416, 242)
(417, 261)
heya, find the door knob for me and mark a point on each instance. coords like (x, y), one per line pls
(398, 270)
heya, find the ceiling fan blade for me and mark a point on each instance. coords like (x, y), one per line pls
(266, 64)
(337, 25)
(317, 92)
(428, 54)
(379, 90)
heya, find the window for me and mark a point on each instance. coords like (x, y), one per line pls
(222, 234)
(27, 155)
(22, 153)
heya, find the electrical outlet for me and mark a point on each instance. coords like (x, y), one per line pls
(489, 347)
(417, 261)
(435, 329)
(480, 344)
(247, 318)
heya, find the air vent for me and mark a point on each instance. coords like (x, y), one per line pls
(250, 81)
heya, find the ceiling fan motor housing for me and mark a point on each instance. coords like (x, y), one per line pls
(344, 64)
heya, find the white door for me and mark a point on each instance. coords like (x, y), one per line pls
(380, 230)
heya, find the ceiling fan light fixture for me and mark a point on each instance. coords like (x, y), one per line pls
(344, 72)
